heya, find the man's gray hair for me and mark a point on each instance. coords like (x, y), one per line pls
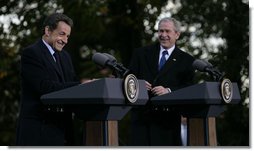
(176, 23)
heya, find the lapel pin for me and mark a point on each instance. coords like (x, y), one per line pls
(174, 59)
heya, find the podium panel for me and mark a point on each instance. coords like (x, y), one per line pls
(199, 94)
(101, 99)
(100, 104)
(106, 91)
(200, 103)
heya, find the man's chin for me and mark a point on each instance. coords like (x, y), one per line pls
(164, 45)
(59, 49)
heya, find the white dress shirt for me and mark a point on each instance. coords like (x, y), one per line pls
(50, 49)
(170, 50)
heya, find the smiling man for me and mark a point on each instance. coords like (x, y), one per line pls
(165, 68)
(46, 67)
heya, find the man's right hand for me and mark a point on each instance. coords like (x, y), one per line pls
(148, 86)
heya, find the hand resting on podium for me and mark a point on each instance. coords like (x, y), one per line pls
(157, 90)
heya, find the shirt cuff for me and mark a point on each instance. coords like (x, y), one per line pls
(169, 90)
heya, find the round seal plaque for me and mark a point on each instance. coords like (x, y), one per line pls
(226, 90)
(131, 88)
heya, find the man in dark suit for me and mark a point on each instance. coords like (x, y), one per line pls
(46, 67)
(165, 68)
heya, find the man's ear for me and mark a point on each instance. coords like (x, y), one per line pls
(178, 35)
(47, 31)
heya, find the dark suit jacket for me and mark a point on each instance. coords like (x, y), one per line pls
(40, 75)
(175, 74)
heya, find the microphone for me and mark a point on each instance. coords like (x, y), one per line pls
(107, 60)
(111, 58)
(204, 66)
(201, 65)
(100, 59)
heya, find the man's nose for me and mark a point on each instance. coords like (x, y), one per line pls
(65, 40)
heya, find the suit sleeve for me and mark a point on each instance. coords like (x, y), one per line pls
(187, 77)
(134, 63)
(72, 74)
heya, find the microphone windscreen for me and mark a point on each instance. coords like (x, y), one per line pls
(100, 59)
(110, 57)
(199, 65)
(208, 64)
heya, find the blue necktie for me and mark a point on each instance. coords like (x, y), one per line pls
(163, 59)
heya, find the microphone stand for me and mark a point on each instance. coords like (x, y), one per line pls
(216, 74)
(119, 71)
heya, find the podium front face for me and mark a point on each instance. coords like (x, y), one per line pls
(200, 103)
(91, 101)
(200, 100)
(99, 104)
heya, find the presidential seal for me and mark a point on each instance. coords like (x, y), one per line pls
(226, 90)
(131, 88)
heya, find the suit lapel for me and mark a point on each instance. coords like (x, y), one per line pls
(50, 58)
(61, 57)
(174, 57)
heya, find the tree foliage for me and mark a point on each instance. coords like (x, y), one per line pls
(117, 27)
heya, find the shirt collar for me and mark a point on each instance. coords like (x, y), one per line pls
(170, 50)
(49, 47)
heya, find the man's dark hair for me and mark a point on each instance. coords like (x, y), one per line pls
(52, 21)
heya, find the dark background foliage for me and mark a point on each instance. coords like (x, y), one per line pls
(117, 27)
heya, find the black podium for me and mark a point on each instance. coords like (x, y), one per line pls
(100, 104)
(200, 103)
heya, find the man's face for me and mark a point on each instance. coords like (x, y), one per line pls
(58, 38)
(167, 34)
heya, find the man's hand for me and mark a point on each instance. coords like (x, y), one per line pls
(148, 86)
(83, 81)
(160, 90)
